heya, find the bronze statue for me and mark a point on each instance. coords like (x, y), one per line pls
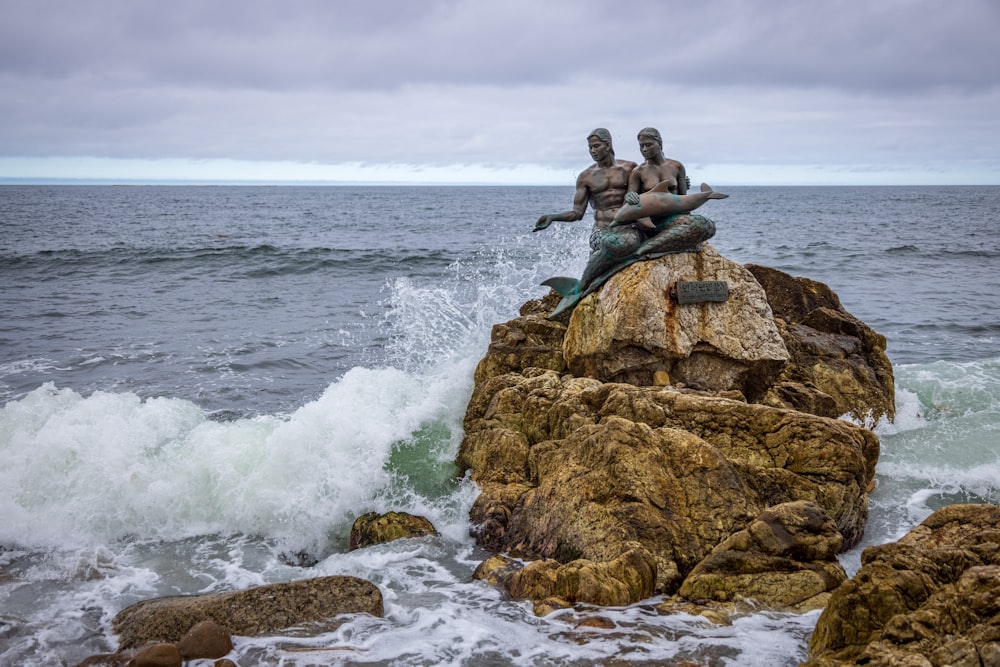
(657, 168)
(602, 185)
(632, 227)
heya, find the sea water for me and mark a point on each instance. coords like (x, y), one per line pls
(203, 387)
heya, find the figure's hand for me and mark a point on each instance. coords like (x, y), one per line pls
(543, 222)
(632, 198)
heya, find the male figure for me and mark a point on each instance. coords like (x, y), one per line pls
(657, 168)
(601, 185)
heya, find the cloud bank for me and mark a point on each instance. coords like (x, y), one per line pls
(754, 90)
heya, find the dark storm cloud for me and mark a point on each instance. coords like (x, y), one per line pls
(469, 81)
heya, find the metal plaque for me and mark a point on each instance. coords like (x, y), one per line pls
(699, 291)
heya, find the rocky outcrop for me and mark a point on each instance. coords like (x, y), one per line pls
(635, 331)
(574, 468)
(786, 559)
(838, 364)
(932, 598)
(618, 490)
(252, 611)
(374, 528)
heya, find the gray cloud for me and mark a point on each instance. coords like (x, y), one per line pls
(462, 81)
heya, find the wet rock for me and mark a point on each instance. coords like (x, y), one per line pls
(106, 660)
(932, 598)
(837, 364)
(785, 559)
(252, 611)
(576, 472)
(603, 467)
(374, 528)
(527, 341)
(157, 655)
(206, 639)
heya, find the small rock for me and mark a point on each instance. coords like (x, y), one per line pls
(157, 655)
(206, 639)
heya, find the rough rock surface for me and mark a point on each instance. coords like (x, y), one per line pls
(631, 330)
(574, 468)
(786, 559)
(838, 363)
(620, 489)
(252, 611)
(374, 528)
(930, 599)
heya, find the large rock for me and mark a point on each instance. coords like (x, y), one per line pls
(786, 559)
(631, 330)
(932, 598)
(838, 364)
(252, 611)
(618, 489)
(574, 468)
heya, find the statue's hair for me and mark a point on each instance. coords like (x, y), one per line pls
(604, 136)
(651, 132)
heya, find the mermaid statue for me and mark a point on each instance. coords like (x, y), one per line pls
(629, 226)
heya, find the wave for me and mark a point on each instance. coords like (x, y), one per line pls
(109, 466)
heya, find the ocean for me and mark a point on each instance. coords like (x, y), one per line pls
(203, 386)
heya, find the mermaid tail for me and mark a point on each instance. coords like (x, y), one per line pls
(569, 289)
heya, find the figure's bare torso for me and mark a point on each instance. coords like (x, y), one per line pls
(606, 188)
(649, 175)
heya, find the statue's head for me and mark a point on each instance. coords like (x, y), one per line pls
(600, 141)
(651, 133)
(650, 143)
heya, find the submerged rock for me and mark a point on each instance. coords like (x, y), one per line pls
(252, 611)
(932, 598)
(374, 528)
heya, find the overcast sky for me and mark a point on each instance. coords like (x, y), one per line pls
(505, 91)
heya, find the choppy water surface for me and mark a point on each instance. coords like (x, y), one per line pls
(202, 387)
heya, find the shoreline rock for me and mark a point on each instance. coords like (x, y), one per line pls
(931, 598)
(251, 611)
(710, 434)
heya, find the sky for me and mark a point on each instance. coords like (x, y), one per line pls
(744, 92)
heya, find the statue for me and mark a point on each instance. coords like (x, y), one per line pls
(657, 168)
(602, 185)
(642, 224)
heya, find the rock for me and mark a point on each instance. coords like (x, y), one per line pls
(252, 611)
(573, 468)
(157, 655)
(648, 433)
(786, 559)
(373, 528)
(527, 341)
(225, 662)
(932, 598)
(631, 329)
(106, 660)
(838, 364)
(206, 639)
(616, 582)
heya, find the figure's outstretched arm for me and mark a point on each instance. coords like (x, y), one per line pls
(580, 200)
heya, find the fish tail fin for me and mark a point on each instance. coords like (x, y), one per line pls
(563, 286)
(705, 187)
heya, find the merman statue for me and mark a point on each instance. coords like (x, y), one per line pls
(628, 227)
